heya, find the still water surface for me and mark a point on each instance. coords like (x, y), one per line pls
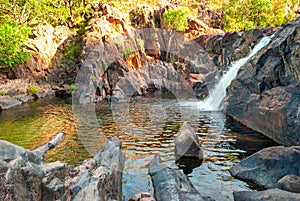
(148, 126)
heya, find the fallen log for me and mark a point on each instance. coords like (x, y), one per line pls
(55, 140)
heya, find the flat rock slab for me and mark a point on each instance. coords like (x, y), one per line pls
(268, 195)
(7, 102)
(268, 166)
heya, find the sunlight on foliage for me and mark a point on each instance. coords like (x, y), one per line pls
(12, 38)
(177, 19)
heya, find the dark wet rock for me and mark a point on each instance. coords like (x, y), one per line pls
(170, 184)
(268, 195)
(289, 183)
(7, 102)
(267, 87)
(268, 166)
(142, 197)
(232, 46)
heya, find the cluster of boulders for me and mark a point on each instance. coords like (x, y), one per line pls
(276, 169)
(24, 175)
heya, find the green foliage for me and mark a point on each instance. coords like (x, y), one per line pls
(33, 89)
(105, 66)
(128, 52)
(12, 38)
(249, 14)
(71, 89)
(2, 92)
(55, 12)
(177, 19)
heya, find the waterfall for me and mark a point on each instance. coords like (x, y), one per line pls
(218, 92)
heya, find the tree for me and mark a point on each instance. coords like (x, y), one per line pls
(249, 14)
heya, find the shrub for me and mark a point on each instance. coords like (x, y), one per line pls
(2, 92)
(33, 89)
(128, 52)
(177, 19)
(12, 38)
(71, 89)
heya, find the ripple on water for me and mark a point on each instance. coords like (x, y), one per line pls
(148, 126)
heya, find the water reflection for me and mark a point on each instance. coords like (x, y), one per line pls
(147, 126)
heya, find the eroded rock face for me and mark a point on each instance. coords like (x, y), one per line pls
(265, 95)
(268, 195)
(268, 166)
(120, 61)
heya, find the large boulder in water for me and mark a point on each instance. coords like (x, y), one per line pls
(266, 93)
(187, 143)
(268, 166)
(188, 151)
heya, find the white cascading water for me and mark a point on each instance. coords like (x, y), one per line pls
(218, 92)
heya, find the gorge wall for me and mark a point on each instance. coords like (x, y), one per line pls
(265, 96)
(126, 57)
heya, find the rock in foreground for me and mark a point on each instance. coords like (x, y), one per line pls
(289, 183)
(269, 165)
(170, 184)
(24, 176)
(268, 195)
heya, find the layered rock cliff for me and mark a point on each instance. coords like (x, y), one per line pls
(265, 96)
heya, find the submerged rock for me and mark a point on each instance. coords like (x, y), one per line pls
(170, 184)
(40, 151)
(268, 195)
(268, 166)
